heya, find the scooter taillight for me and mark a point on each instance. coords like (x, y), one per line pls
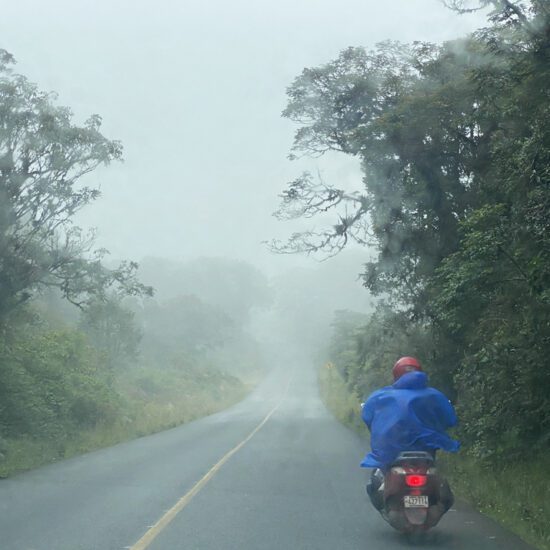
(416, 480)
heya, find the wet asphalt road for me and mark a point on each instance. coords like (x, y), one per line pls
(294, 485)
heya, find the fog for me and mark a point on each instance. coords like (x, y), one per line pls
(140, 288)
(194, 91)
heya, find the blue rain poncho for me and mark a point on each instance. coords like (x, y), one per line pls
(407, 416)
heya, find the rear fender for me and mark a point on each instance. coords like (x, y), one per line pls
(416, 516)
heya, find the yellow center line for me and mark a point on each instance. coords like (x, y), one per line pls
(164, 521)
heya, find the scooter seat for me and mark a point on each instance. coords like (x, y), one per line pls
(414, 456)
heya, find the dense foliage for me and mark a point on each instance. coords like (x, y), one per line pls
(455, 149)
(43, 158)
(123, 367)
(52, 384)
(120, 364)
(53, 379)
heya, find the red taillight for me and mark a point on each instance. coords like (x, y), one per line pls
(416, 480)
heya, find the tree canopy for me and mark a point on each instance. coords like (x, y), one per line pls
(454, 144)
(44, 157)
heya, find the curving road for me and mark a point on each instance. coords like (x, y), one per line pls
(273, 472)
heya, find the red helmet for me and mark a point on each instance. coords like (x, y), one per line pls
(405, 365)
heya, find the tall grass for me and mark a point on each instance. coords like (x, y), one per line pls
(340, 400)
(152, 400)
(516, 494)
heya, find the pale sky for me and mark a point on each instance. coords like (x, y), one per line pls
(194, 90)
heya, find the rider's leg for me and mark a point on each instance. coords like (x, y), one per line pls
(373, 488)
(446, 495)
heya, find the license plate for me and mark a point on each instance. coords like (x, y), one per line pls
(420, 501)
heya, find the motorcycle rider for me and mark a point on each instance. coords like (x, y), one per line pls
(406, 416)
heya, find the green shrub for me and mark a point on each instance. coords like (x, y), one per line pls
(52, 384)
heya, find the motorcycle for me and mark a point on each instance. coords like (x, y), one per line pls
(412, 497)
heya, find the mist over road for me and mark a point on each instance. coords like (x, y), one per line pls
(295, 484)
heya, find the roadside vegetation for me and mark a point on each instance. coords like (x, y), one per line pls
(73, 381)
(144, 402)
(88, 357)
(454, 144)
(513, 493)
(339, 400)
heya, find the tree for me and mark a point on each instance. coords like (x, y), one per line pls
(184, 325)
(112, 330)
(455, 150)
(410, 115)
(234, 286)
(501, 8)
(43, 158)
